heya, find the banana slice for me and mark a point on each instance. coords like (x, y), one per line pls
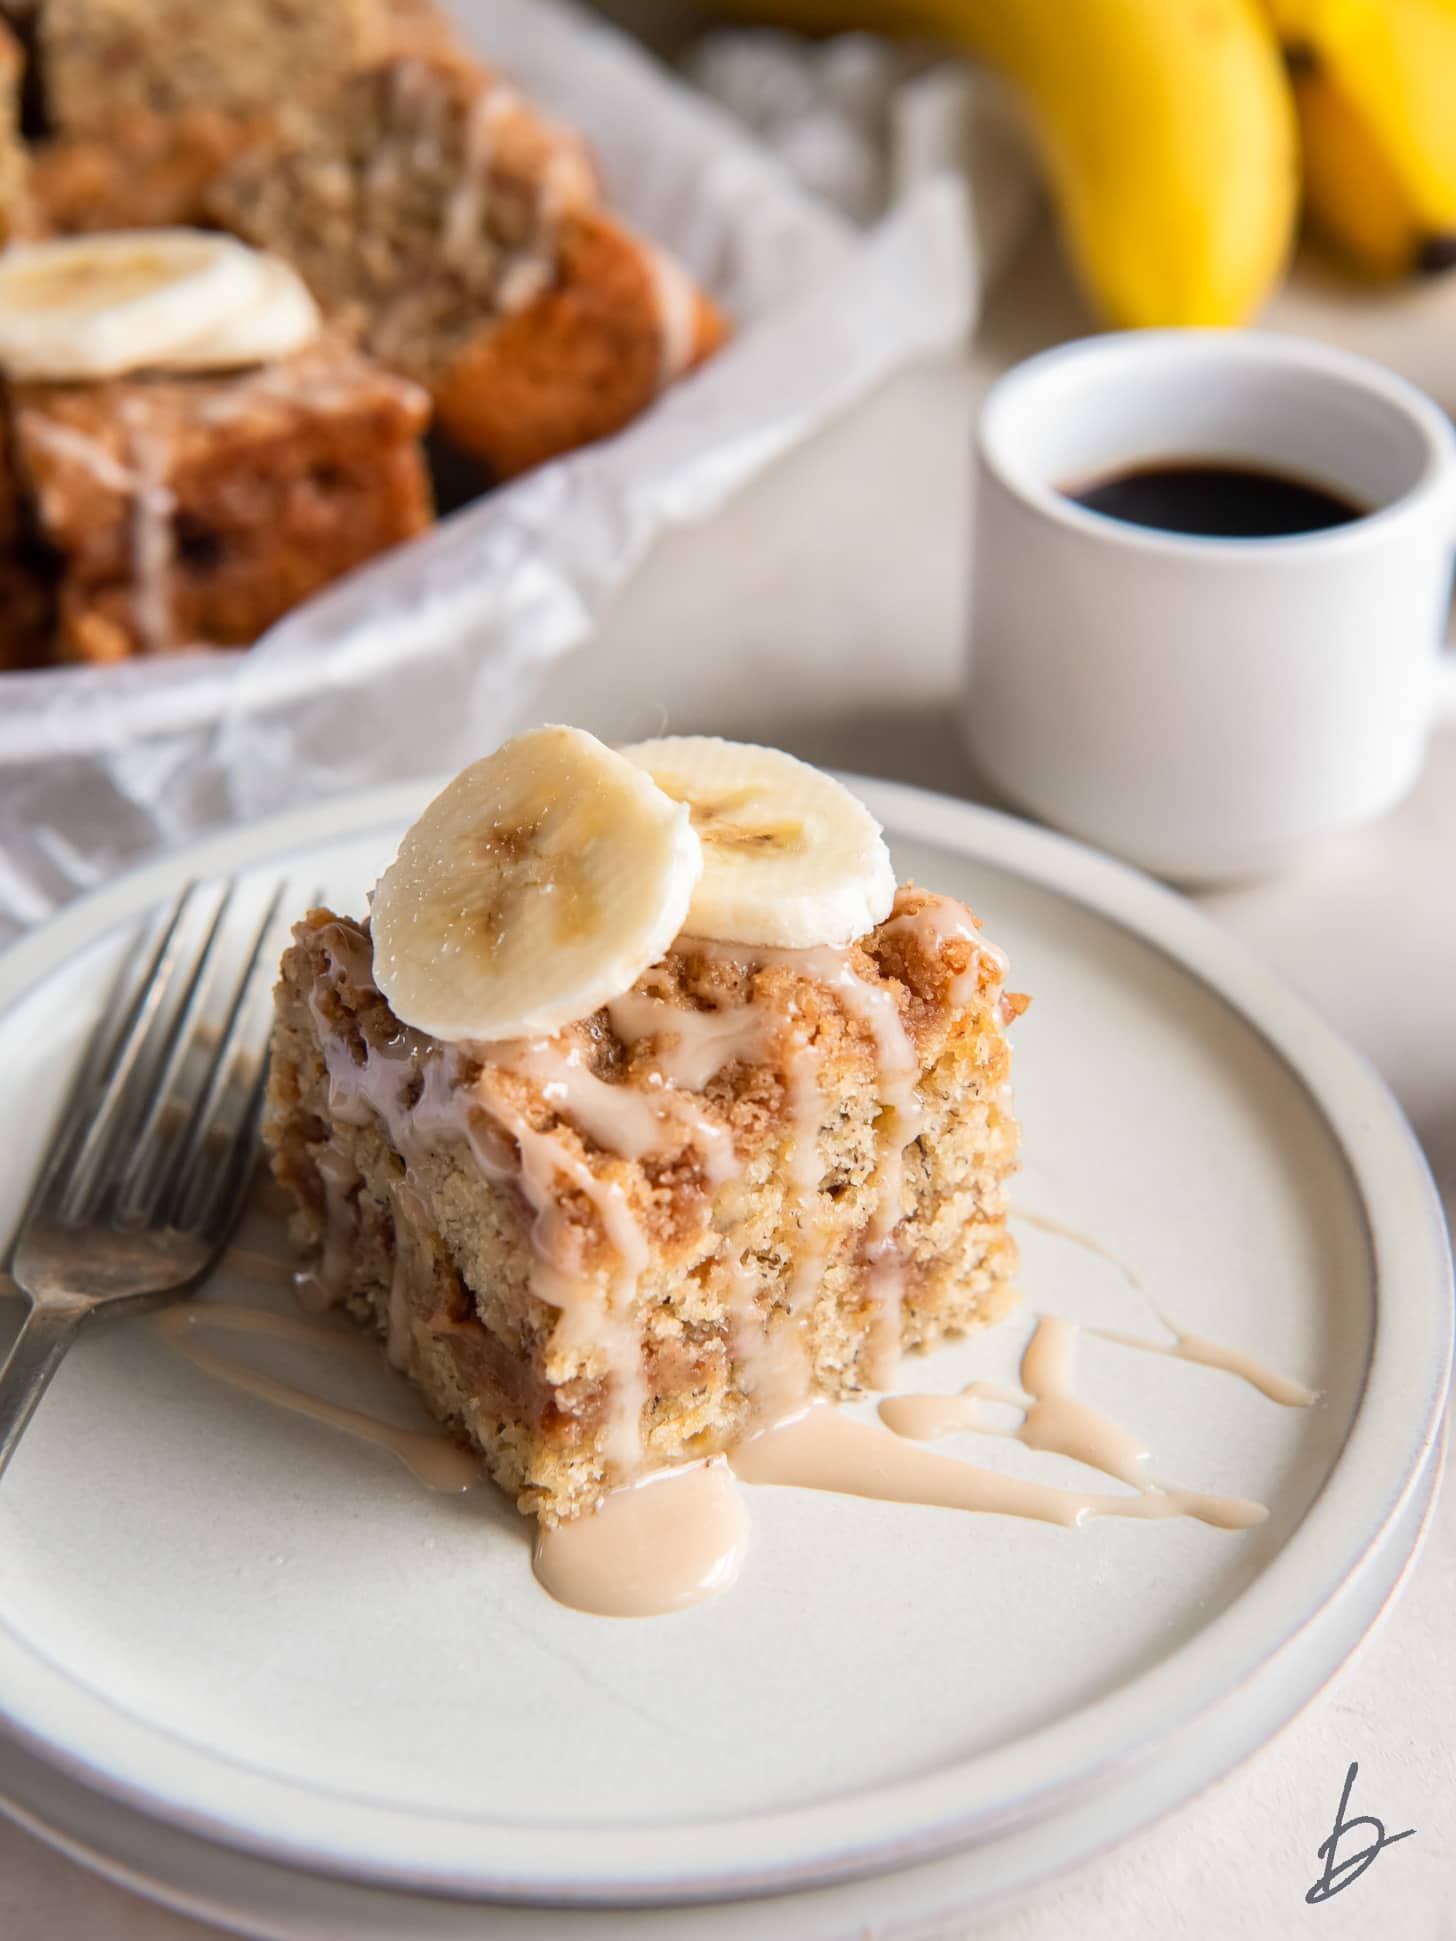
(543, 881)
(282, 318)
(790, 857)
(85, 307)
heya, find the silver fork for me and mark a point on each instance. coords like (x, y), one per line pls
(150, 1166)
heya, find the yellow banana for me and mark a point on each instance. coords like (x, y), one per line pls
(1166, 127)
(1375, 89)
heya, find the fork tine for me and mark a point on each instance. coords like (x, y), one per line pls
(135, 978)
(163, 1091)
(128, 1088)
(214, 1199)
(216, 1154)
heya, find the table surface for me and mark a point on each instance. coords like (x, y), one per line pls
(824, 610)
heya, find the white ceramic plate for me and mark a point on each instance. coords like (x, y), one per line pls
(238, 1623)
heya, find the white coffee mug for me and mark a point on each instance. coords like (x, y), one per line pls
(1206, 706)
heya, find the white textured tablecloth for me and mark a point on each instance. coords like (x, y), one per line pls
(823, 610)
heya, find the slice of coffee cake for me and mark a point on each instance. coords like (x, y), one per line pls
(750, 1176)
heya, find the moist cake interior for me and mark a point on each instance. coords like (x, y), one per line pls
(751, 1180)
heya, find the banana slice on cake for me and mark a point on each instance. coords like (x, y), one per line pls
(790, 858)
(542, 882)
(91, 307)
(281, 319)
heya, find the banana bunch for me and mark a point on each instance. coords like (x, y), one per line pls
(1174, 132)
(1375, 87)
(1166, 129)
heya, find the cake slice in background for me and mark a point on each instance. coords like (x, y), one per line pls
(185, 451)
(102, 58)
(147, 170)
(137, 135)
(448, 225)
(458, 231)
(419, 199)
(746, 1175)
(620, 322)
(193, 510)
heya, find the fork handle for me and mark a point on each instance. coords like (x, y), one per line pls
(49, 1329)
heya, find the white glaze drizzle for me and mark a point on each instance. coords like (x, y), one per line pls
(1184, 1346)
(465, 207)
(823, 1448)
(1059, 1230)
(567, 179)
(874, 1006)
(775, 1365)
(153, 540)
(325, 1284)
(691, 1048)
(597, 1320)
(637, 1122)
(1056, 1421)
(438, 1462)
(523, 278)
(940, 921)
(669, 1541)
(1196, 1348)
(901, 1119)
(89, 453)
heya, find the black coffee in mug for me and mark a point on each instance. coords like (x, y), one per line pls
(1216, 500)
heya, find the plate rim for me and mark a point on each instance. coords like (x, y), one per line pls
(964, 1801)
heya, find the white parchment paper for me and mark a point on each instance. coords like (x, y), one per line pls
(428, 656)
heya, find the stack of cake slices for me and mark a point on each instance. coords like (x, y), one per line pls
(451, 237)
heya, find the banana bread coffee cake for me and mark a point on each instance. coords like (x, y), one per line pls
(184, 453)
(645, 1109)
(446, 223)
(459, 230)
